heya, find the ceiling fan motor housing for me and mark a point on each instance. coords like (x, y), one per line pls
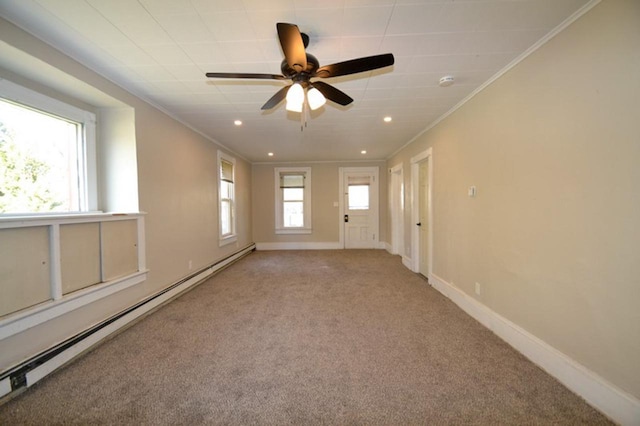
(312, 66)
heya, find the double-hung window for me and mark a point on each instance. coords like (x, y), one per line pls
(293, 200)
(226, 192)
(47, 154)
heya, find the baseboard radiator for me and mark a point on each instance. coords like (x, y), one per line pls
(27, 373)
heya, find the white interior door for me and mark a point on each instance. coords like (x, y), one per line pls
(422, 213)
(360, 207)
(423, 217)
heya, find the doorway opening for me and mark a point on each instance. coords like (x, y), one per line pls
(422, 213)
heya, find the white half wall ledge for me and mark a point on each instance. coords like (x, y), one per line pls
(614, 403)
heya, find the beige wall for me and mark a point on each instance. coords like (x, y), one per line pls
(177, 188)
(553, 233)
(325, 217)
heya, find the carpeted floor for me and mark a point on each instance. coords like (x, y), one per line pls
(310, 337)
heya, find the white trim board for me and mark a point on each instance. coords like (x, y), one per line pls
(35, 316)
(611, 401)
(310, 246)
(5, 387)
(388, 247)
(298, 246)
(407, 262)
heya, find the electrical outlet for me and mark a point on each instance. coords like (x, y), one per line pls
(478, 289)
(190, 265)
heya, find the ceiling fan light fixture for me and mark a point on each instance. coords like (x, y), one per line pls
(294, 107)
(300, 66)
(295, 98)
(315, 98)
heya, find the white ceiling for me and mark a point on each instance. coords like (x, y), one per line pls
(161, 49)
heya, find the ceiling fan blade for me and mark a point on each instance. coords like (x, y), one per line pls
(355, 66)
(277, 98)
(292, 46)
(331, 93)
(245, 75)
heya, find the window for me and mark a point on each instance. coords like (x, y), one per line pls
(358, 197)
(47, 154)
(226, 192)
(293, 200)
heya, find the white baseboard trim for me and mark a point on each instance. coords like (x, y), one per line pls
(406, 261)
(389, 248)
(615, 403)
(31, 317)
(36, 374)
(299, 246)
(5, 387)
(312, 246)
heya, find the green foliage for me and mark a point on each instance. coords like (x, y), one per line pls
(23, 179)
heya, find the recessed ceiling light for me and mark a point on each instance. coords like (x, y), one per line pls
(363, 152)
(270, 154)
(238, 123)
(387, 119)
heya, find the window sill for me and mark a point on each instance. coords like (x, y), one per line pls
(294, 231)
(228, 240)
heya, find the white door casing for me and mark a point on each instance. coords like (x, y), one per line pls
(396, 200)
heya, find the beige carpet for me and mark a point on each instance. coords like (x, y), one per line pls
(313, 337)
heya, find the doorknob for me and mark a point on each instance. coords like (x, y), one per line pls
(419, 224)
(346, 218)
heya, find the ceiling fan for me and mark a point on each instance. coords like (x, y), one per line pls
(300, 67)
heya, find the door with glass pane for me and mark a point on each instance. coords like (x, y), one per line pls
(360, 187)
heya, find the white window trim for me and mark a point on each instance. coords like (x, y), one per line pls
(279, 227)
(233, 236)
(28, 97)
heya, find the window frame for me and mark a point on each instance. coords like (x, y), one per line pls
(232, 236)
(87, 169)
(279, 201)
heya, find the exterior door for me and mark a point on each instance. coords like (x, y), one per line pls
(360, 207)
